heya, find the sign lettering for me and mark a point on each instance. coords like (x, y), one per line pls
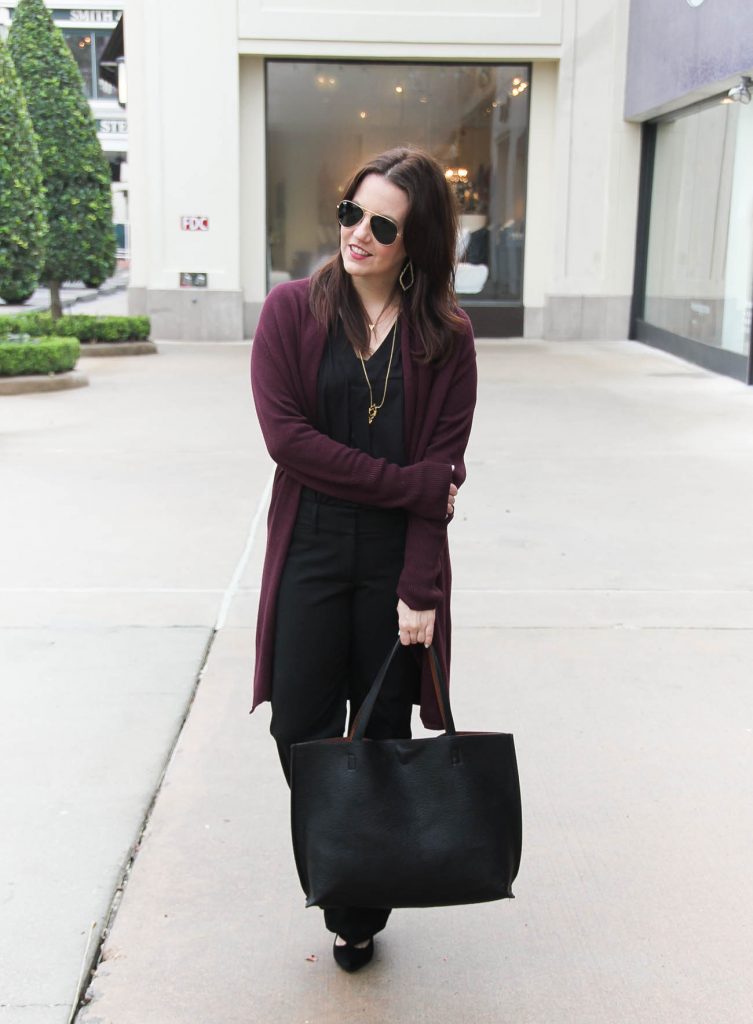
(112, 127)
(82, 15)
(194, 223)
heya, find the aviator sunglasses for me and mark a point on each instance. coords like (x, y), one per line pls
(382, 228)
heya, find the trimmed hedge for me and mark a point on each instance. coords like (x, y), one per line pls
(85, 327)
(47, 355)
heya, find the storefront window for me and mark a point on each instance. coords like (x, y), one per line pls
(80, 44)
(87, 46)
(325, 119)
(699, 280)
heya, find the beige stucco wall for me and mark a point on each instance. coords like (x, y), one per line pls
(296, 25)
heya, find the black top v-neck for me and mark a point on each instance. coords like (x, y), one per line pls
(343, 397)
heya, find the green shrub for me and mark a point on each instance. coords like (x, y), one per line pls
(85, 327)
(105, 328)
(38, 355)
(21, 323)
(23, 227)
(75, 171)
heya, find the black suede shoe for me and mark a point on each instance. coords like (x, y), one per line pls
(352, 958)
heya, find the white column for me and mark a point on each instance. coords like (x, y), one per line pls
(253, 190)
(182, 66)
(595, 178)
(537, 270)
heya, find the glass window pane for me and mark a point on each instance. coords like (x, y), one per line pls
(699, 280)
(104, 88)
(325, 119)
(80, 44)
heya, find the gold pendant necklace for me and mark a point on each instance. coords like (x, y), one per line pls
(381, 314)
(373, 407)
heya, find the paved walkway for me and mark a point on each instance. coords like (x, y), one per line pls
(75, 297)
(604, 613)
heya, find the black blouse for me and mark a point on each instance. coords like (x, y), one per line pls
(343, 399)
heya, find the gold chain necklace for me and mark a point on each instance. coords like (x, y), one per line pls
(374, 409)
(372, 327)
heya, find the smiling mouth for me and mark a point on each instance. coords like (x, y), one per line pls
(358, 251)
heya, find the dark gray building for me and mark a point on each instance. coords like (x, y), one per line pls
(690, 64)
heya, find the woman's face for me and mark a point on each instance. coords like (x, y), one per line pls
(363, 257)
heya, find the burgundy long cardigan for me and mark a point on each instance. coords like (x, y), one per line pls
(438, 410)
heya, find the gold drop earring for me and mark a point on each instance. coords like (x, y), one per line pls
(405, 285)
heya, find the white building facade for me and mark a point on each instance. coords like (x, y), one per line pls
(247, 117)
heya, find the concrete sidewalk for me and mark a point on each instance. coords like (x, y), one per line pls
(75, 297)
(603, 604)
(124, 513)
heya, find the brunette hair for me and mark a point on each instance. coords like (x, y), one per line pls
(429, 237)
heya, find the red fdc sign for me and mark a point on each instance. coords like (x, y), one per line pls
(194, 223)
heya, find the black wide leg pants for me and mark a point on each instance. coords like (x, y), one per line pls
(336, 622)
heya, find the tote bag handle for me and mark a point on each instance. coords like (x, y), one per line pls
(360, 724)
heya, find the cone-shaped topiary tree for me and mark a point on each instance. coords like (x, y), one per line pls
(75, 171)
(23, 227)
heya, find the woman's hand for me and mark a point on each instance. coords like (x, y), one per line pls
(415, 627)
(451, 498)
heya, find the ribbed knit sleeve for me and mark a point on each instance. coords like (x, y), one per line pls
(314, 459)
(425, 539)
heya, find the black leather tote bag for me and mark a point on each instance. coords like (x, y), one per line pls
(425, 822)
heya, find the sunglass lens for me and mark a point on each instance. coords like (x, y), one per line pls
(349, 213)
(383, 230)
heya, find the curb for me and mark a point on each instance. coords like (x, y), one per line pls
(25, 384)
(117, 348)
(92, 296)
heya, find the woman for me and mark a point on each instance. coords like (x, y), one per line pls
(364, 379)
